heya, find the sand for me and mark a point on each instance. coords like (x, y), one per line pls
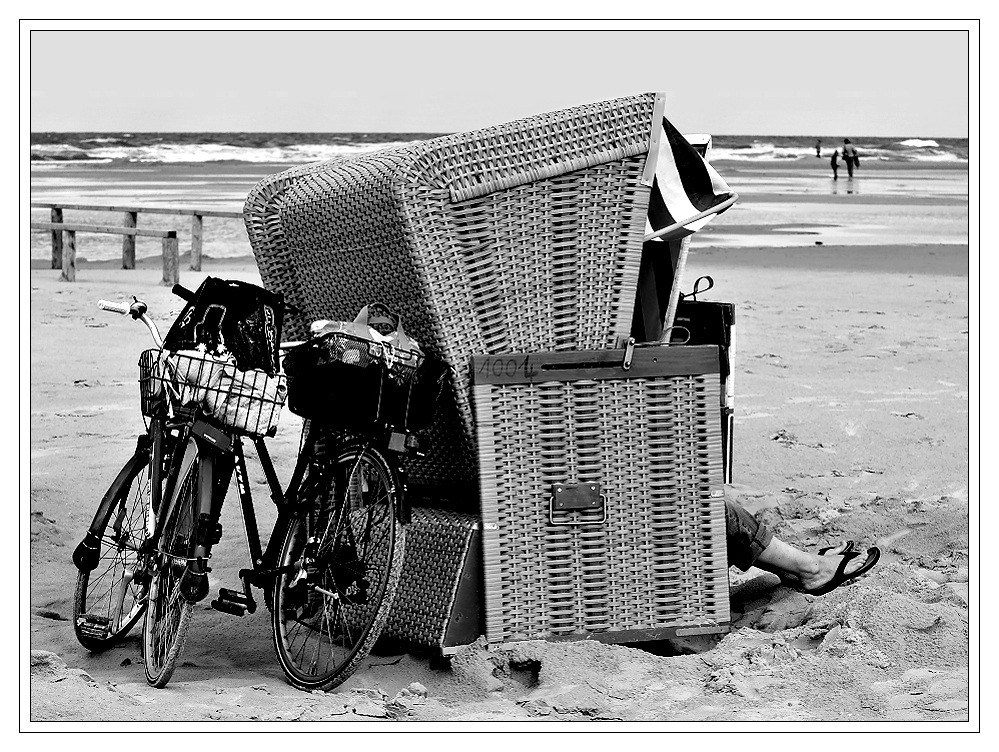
(852, 404)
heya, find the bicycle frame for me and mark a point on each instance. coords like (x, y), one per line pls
(289, 503)
(264, 561)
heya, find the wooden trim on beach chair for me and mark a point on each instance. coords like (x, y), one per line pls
(655, 135)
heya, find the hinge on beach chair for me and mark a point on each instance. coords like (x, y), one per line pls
(629, 353)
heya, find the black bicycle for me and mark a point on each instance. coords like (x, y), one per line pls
(332, 562)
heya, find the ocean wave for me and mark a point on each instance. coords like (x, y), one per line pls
(919, 143)
(790, 154)
(173, 153)
(761, 152)
(105, 140)
(298, 148)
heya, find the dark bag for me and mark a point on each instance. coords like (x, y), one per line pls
(350, 382)
(702, 322)
(229, 316)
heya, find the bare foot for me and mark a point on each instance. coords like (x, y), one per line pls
(837, 551)
(822, 569)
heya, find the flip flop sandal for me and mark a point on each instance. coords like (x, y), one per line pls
(847, 548)
(841, 577)
(794, 583)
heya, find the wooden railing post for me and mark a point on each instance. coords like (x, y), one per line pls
(171, 259)
(130, 230)
(69, 258)
(56, 215)
(197, 230)
(128, 241)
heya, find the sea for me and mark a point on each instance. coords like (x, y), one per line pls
(292, 148)
(216, 171)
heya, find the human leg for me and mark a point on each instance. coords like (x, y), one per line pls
(746, 536)
(814, 573)
(751, 543)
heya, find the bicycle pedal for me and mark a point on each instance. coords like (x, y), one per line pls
(234, 602)
(233, 596)
(227, 607)
(94, 627)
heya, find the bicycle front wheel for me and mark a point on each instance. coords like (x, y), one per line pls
(342, 558)
(110, 598)
(168, 615)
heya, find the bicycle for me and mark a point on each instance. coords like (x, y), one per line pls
(333, 559)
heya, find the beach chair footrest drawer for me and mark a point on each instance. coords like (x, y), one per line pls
(602, 494)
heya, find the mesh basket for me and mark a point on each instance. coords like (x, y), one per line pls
(354, 383)
(248, 402)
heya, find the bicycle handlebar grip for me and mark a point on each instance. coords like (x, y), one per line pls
(182, 292)
(107, 305)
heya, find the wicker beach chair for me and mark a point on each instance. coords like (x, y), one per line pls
(521, 237)
(509, 251)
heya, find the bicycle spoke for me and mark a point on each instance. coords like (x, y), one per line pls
(109, 598)
(348, 551)
(169, 612)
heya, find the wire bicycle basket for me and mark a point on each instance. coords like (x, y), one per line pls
(247, 402)
(349, 382)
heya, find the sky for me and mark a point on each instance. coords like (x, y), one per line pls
(788, 82)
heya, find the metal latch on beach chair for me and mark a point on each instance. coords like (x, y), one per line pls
(577, 497)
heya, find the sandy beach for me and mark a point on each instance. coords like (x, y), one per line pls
(852, 422)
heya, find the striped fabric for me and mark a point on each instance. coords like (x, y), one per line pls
(684, 186)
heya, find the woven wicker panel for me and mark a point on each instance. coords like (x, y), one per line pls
(524, 236)
(659, 559)
(437, 544)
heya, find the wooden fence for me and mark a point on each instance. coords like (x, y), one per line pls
(67, 255)
(131, 218)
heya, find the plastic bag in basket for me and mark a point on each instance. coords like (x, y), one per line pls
(253, 401)
(379, 324)
(197, 376)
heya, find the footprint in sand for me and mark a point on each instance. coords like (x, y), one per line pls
(771, 358)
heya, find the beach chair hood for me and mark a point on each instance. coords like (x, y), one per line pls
(521, 237)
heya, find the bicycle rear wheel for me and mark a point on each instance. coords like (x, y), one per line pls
(168, 615)
(345, 554)
(110, 598)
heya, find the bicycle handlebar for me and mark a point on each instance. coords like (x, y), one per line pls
(137, 310)
(107, 305)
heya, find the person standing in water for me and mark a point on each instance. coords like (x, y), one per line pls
(849, 156)
(834, 163)
(818, 147)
